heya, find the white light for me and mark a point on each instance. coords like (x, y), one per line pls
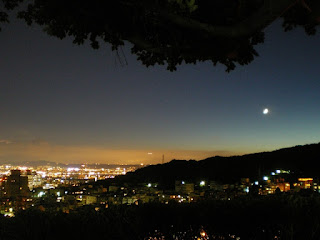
(265, 111)
(256, 183)
(182, 182)
(278, 171)
(149, 185)
(41, 194)
(265, 178)
(203, 234)
(202, 183)
(273, 174)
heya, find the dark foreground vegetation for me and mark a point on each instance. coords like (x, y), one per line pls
(263, 218)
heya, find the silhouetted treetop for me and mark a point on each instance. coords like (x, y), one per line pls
(169, 32)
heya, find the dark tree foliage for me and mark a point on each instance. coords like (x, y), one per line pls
(263, 218)
(170, 32)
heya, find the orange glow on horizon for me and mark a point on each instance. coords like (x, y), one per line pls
(90, 154)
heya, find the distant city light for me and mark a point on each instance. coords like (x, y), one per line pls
(273, 174)
(149, 185)
(305, 179)
(202, 183)
(41, 194)
(278, 171)
(256, 183)
(182, 182)
(73, 169)
(265, 178)
(203, 233)
(150, 153)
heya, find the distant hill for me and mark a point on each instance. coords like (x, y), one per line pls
(34, 163)
(302, 160)
(62, 165)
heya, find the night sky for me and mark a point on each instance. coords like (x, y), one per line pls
(67, 103)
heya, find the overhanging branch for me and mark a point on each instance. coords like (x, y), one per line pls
(271, 10)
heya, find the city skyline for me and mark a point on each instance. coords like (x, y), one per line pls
(61, 102)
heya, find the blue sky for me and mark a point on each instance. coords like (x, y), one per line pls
(67, 103)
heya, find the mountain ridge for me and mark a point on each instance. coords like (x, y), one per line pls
(301, 160)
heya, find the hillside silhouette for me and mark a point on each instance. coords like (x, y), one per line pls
(300, 160)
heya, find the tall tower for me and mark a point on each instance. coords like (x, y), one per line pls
(16, 185)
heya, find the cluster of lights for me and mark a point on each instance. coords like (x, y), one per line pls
(278, 171)
(60, 175)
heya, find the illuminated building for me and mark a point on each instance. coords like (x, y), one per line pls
(16, 185)
(86, 199)
(34, 180)
(183, 187)
(283, 186)
(305, 182)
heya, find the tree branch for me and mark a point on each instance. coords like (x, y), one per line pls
(271, 10)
